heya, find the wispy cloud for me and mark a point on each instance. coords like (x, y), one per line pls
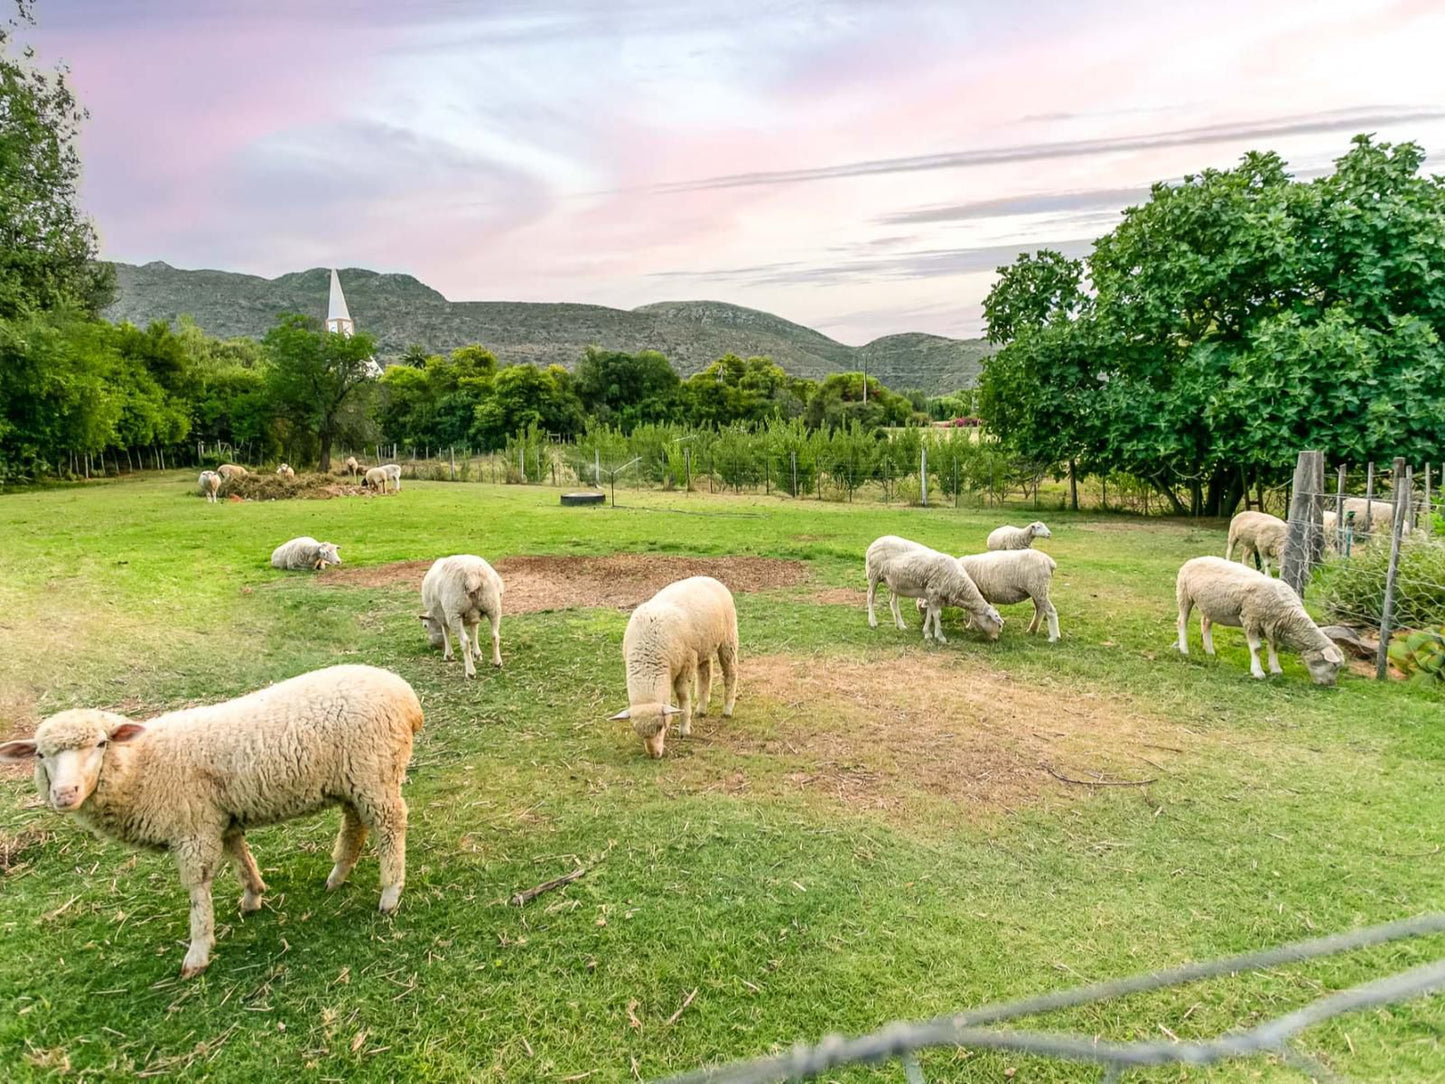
(1100, 199)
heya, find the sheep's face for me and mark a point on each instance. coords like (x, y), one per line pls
(433, 629)
(649, 721)
(328, 554)
(69, 751)
(1324, 664)
(1038, 530)
(990, 622)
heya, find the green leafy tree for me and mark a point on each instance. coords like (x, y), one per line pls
(315, 375)
(627, 389)
(525, 397)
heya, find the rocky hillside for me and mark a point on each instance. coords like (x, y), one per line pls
(399, 310)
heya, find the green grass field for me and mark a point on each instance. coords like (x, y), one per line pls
(873, 836)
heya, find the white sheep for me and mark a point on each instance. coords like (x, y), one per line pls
(1016, 538)
(912, 570)
(393, 474)
(1234, 595)
(1004, 577)
(192, 782)
(285, 471)
(305, 553)
(1258, 534)
(209, 484)
(1381, 513)
(352, 466)
(670, 641)
(382, 477)
(456, 594)
(227, 471)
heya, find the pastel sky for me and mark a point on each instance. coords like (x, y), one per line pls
(860, 166)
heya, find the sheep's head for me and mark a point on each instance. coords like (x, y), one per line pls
(1038, 530)
(990, 622)
(328, 553)
(433, 629)
(69, 750)
(650, 723)
(1324, 663)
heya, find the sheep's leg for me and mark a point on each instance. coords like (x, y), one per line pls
(935, 615)
(1038, 617)
(1264, 562)
(1186, 605)
(476, 639)
(872, 594)
(1206, 631)
(196, 859)
(1044, 608)
(496, 622)
(897, 611)
(682, 689)
(460, 631)
(387, 817)
(348, 846)
(727, 657)
(1274, 667)
(446, 643)
(704, 685)
(1251, 637)
(246, 871)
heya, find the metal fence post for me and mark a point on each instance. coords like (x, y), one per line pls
(1382, 660)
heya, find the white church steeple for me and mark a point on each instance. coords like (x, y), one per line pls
(338, 316)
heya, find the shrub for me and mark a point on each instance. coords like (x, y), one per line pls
(1420, 656)
(1352, 589)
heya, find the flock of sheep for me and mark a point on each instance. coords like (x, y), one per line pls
(383, 478)
(192, 782)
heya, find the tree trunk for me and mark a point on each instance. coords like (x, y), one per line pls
(325, 465)
(1173, 498)
(1073, 484)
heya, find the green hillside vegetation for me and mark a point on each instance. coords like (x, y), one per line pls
(400, 311)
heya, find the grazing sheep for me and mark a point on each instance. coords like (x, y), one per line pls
(1382, 517)
(1016, 538)
(227, 471)
(456, 594)
(381, 477)
(393, 474)
(353, 468)
(285, 471)
(914, 571)
(670, 640)
(1259, 535)
(1004, 577)
(192, 782)
(209, 484)
(305, 553)
(1231, 594)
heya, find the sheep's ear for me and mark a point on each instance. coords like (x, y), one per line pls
(670, 710)
(625, 713)
(127, 732)
(17, 752)
(422, 617)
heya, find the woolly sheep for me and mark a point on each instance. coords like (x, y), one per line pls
(381, 477)
(352, 466)
(227, 471)
(192, 782)
(285, 471)
(670, 641)
(1016, 538)
(912, 570)
(1004, 577)
(305, 553)
(1258, 534)
(1234, 595)
(209, 484)
(1382, 517)
(456, 594)
(393, 474)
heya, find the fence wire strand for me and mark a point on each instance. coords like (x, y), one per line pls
(904, 1040)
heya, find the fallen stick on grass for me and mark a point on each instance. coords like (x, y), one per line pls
(1097, 782)
(530, 894)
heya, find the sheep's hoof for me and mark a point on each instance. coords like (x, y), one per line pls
(251, 901)
(390, 899)
(336, 878)
(1258, 675)
(196, 961)
(872, 623)
(497, 663)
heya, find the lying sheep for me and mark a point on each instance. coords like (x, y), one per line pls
(914, 571)
(456, 594)
(192, 782)
(352, 466)
(1259, 535)
(1016, 538)
(1008, 576)
(1231, 594)
(227, 471)
(305, 553)
(285, 471)
(670, 641)
(208, 485)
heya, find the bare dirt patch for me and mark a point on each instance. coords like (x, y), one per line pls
(841, 596)
(620, 580)
(273, 487)
(892, 732)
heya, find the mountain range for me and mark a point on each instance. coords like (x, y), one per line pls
(399, 310)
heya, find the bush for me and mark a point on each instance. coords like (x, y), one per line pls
(1352, 589)
(1421, 656)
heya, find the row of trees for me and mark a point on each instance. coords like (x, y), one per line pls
(1230, 321)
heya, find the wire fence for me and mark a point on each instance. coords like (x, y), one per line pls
(902, 1042)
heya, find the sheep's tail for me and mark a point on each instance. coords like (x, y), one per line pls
(411, 711)
(1233, 538)
(475, 581)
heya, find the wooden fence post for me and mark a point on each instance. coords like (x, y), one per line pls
(1387, 611)
(1369, 496)
(1340, 511)
(1305, 537)
(923, 475)
(1425, 507)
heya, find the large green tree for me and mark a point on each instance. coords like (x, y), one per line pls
(315, 375)
(627, 389)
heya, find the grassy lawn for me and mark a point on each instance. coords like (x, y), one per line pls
(873, 836)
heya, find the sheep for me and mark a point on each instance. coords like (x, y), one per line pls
(1259, 535)
(209, 484)
(670, 640)
(393, 473)
(285, 471)
(456, 594)
(352, 467)
(192, 782)
(1381, 513)
(227, 471)
(1016, 538)
(914, 571)
(1238, 596)
(305, 553)
(1004, 577)
(381, 477)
